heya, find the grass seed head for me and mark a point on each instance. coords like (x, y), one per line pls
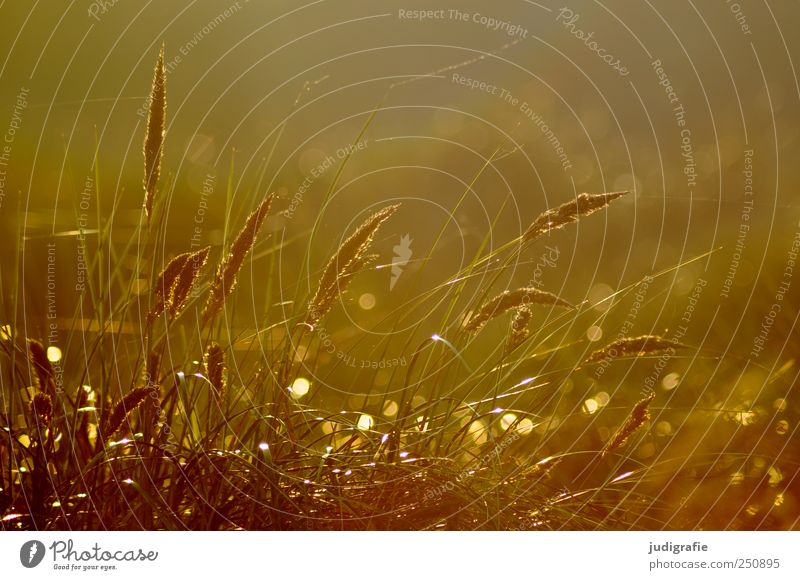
(175, 282)
(228, 268)
(214, 362)
(638, 416)
(125, 407)
(519, 331)
(41, 365)
(154, 138)
(511, 300)
(350, 257)
(649, 344)
(554, 219)
(42, 408)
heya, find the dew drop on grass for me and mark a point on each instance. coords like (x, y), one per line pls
(525, 427)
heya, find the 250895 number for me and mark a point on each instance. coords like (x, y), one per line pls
(758, 563)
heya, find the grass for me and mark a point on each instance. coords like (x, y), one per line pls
(193, 425)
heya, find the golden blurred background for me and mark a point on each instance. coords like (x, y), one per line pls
(477, 117)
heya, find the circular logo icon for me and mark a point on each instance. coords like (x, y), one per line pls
(31, 553)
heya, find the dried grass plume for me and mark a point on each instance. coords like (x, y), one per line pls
(154, 138)
(42, 409)
(519, 331)
(350, 258)
(37, 355)
(510, 300)
(125, 407)
(554, 219)
(228, 268)
(639, 415)
(635, 346)
(175, 282)
(214, 362)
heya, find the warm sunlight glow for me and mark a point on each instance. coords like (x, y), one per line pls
(525, 427)
(365, 422)
(390, 409)
(53, 353)
(670, 381)
(590, 406)
(300, 387)
(600, 297)
(367, 301)
(507, 420)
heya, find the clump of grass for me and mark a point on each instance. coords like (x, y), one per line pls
(350, 257)
(270, 459)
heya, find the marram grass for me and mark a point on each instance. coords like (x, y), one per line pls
(185, 424)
